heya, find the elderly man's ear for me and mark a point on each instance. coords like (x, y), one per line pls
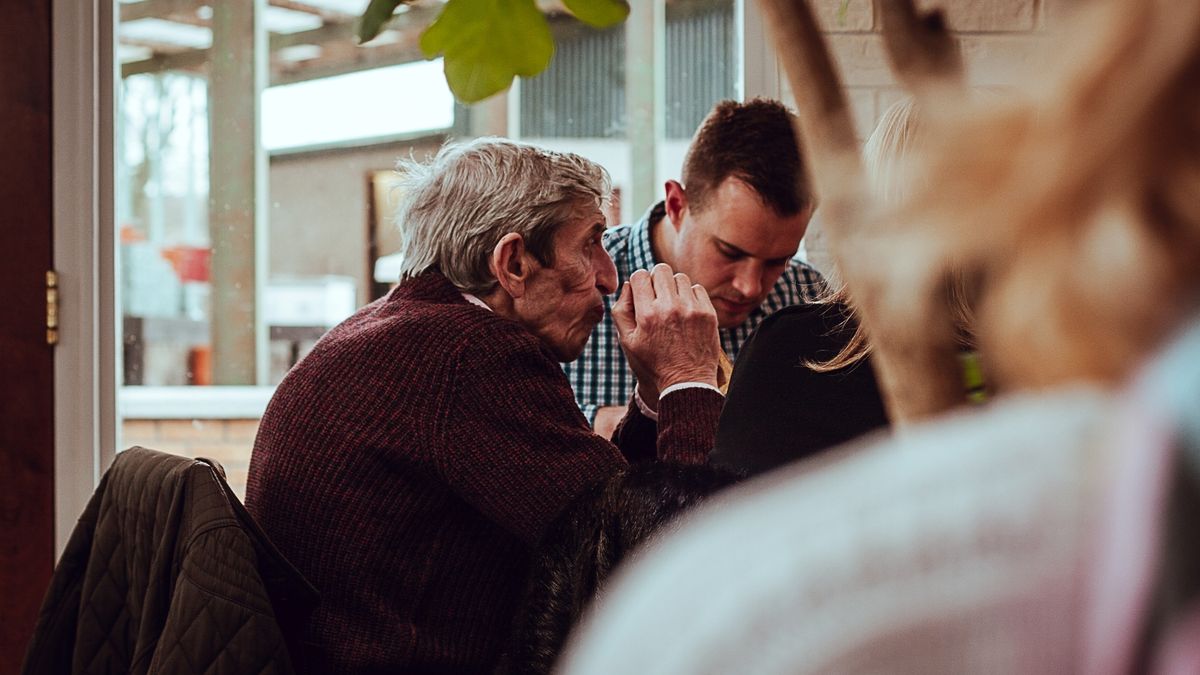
(511, 265)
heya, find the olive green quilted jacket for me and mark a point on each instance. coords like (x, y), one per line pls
(167, 573)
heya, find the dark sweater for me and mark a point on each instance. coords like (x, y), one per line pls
(778, 410)
(407, 465)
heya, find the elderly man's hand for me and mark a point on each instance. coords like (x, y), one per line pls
(668, 329)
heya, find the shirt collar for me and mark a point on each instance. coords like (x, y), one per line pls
(641, 253)
(476, 301)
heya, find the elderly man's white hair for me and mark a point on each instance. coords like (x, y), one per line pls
(455, 208)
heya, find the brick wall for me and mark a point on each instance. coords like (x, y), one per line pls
(1000, 44)
(226, 441)
(998, 37)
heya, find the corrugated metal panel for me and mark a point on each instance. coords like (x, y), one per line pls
(701, 67)
(582, 93)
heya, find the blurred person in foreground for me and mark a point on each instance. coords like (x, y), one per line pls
(1053, 531)
(409, 463)
(733, 225)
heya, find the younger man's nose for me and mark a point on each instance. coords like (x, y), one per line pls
(748, 281)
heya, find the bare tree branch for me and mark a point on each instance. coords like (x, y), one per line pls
(914, 353)
(830, 144)
(922, 53)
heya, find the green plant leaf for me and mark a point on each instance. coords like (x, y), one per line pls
(599, 13)
(486, 43)
(376, 16)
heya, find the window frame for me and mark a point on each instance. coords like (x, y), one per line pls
(87, 361)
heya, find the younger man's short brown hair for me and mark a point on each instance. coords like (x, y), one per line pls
(754, 142)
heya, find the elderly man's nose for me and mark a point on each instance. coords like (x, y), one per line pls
(606, 273)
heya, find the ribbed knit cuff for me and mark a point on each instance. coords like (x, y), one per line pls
(687, 424)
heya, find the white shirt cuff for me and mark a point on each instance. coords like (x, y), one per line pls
(687, 385)
(652, 415)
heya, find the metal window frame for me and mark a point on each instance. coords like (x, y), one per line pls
(760, 71)
(86, 358)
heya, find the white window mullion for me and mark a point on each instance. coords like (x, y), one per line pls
(86, 358)
(760, 71)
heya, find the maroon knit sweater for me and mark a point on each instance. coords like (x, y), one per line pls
(408, 464)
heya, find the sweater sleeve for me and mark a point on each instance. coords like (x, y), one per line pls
(685, 431)
(516, 446)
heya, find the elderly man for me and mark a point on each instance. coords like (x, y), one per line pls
(410, 462)
(733, 226)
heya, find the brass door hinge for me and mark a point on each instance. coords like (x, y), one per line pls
(51, 307)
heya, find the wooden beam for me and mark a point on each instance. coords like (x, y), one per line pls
(330, 32)
(564, 26)
(416, 18)
(366, 59)
(326, 14)
(190, 60)
(922, 53)
(157, 46)
(914, 350)
(409, 23)
(159, 9)
(177, 10)
(405, 51)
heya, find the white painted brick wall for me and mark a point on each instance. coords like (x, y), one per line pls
(842, 16)
(999, 38)
(986, 16)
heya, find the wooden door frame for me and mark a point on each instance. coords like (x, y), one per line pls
(26, 357)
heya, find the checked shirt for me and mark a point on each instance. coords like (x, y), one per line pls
(601, 376)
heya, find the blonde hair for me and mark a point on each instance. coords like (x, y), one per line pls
(1076, 206)
(887, 153)
(888, 157)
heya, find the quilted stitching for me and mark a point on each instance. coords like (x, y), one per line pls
(170, 580)
(220, 620)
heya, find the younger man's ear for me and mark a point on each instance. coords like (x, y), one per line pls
(510, 264)
(676, 203)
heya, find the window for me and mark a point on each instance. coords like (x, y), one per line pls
(241, 244)
(375, 104)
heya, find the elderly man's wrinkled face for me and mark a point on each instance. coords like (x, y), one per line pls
(562, 304)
